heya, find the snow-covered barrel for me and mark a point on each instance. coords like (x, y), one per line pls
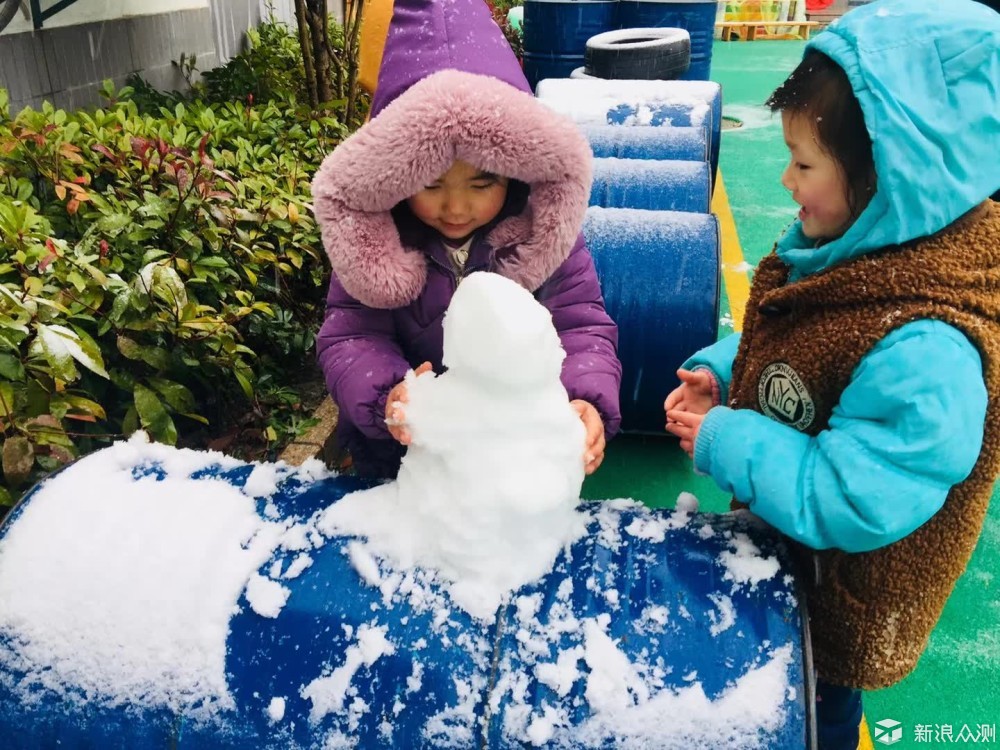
(651, 184)
(594, 101)
(659, 272)
(678, 143)
(158, 598)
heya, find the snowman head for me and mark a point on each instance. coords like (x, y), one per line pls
(495, 330)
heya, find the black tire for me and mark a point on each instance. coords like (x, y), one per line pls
(581, 73)
(8, 9)
(639, 54)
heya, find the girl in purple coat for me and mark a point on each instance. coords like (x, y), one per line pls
(459, 170)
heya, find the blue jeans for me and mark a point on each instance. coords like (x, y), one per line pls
(838, 716)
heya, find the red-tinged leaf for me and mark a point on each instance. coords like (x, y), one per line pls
(82, 417)
(221, 194)
(18, 460)
(140, 146)
(63, 455)
(71, 153)
(72, 206)
(201, 146)
(46, 261)
(49, 128)
(224, 442)
(104, 248)
(51, 246)
(104, 150)
(83, 179)
(162, 146)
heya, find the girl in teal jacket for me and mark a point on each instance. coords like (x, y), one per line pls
(893, 125)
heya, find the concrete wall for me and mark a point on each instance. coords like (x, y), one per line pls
(88, 42)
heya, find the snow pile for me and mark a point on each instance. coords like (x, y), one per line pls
(488, 489)
(119, 577)
(656, 103)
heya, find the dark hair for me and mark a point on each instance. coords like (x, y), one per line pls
(414, 233)
(819, 89)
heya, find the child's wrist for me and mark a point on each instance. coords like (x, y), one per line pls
(713, 383)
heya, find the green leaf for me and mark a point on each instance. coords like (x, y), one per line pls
(153, 416)
(83, 405)
(130, 423)
(162, 282)
(113, 223)
(244, 382)
(212, 261)
(58, 342)
(54, 349)
(18, 460)
(176, 395)
(6, 400)
(156, 357)
(11, 367)
(6, 499)
(48, 430)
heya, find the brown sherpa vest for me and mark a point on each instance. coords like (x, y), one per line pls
(872, 613)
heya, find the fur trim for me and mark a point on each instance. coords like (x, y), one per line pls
(447, 116)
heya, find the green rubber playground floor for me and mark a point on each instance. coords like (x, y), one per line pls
(957, 682)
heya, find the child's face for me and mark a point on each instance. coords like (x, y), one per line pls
(816, 181)
(460, 201)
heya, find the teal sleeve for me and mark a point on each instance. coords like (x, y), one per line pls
(908, 427)
(719, 359)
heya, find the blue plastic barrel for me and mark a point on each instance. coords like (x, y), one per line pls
(697, 17)
(556, 33)
(659, 272)
(690, 144)
(595, 101)
(652, 184)
(667, 595)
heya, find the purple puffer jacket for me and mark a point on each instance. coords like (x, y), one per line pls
(450, 88)
(364, 351)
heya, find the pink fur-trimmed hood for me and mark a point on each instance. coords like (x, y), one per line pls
(446, 116)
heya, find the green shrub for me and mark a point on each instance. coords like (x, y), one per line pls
(154, 270)
(270, 68)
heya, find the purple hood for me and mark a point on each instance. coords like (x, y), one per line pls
(427, 36)
(455, 93)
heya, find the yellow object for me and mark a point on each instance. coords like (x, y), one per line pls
(866, 737)
(734, 268)
(374, 29)
(753, 10)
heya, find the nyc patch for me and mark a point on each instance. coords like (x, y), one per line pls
(783, 396)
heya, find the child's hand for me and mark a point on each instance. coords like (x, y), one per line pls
(593, 452)
(395, 416)
(697, 393)
(685, 425)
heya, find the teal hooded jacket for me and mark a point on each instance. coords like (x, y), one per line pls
(927, 76)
